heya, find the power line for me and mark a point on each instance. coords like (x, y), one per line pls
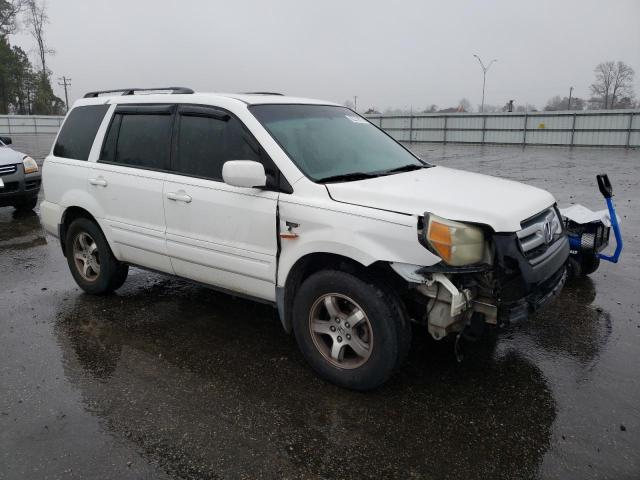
(66, 82)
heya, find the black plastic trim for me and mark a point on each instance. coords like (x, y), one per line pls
(516, 276)
(132, 91)
(145, 109)
(279, 184)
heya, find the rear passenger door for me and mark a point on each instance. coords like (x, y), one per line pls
(127, 182)
(67, 168)
(216, 233)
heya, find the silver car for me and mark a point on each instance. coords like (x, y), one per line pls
(19, 178)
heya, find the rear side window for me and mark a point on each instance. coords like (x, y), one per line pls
(205, 142)
(79, 131)
(139, 137)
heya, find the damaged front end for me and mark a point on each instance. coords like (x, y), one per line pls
(520, 273)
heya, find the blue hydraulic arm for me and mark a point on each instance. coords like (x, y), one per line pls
(607, 191)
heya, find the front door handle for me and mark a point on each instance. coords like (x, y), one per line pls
(99, 182)
(179, 197)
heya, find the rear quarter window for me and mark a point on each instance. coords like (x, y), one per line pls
(79, 131)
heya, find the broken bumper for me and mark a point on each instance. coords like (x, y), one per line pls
(524, 287)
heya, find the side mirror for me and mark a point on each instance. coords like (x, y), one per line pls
(6, 140)
(244, 173)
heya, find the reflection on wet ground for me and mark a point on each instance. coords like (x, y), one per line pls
(232, 393)
(573, 326)
(170, 380)
(20, 230)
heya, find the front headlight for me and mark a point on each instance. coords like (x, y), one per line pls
(30, 165)
(456, 243)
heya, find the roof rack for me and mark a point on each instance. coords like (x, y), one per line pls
(263, 93)
(132, 91)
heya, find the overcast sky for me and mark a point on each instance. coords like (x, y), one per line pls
(389, 54)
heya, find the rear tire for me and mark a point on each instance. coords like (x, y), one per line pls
(92, 264)
(351, 331)
(28, 204)
(120, 276)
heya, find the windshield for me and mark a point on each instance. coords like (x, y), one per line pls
(333, 143)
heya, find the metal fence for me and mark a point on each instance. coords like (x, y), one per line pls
(31, 134)
(34, 135)
(602, 128)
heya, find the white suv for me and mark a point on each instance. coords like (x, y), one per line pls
(303, 204)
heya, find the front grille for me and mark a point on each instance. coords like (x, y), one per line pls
(8, 169)
(539, 233)
(10, 187)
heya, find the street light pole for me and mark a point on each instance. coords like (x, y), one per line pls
(485, 69)
(355, 103)
(569, 102)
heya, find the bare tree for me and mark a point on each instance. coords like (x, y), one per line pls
(614, 80)
(36, 19)
(9, 10)
(431, 108)
(491, 108)
(562, 103)
(622, 84)
(527, 107)
(465, 105)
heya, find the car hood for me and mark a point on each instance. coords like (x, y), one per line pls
(9, 156)
(449, 193)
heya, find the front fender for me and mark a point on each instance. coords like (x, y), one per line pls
(349, 233)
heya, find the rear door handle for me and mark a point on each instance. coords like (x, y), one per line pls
(100, 182)
(179, 197)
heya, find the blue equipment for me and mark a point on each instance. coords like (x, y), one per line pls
(588, 239)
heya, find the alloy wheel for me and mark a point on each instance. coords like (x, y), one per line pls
(341, 330)
(86, 257)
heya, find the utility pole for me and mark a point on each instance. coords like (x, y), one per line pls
(484, 77)
(569, 103)
(355, 103)
(66, 82)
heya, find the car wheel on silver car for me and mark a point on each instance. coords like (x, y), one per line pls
(350, 330)
(90, 259)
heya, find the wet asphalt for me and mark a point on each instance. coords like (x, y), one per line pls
(165, 379)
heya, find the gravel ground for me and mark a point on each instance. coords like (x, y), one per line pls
(169, 380)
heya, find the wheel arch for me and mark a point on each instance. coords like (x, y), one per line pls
(68, 216)
(318, 261)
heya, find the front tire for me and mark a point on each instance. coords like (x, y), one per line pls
(92, 264)
(351, 331)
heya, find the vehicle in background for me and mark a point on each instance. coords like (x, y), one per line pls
(303, 204)
(19, 178)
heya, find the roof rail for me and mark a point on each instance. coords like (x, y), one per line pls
(263, 93)
(132, 91)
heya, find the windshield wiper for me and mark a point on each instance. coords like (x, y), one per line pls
(405, 168)
(347, 177)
